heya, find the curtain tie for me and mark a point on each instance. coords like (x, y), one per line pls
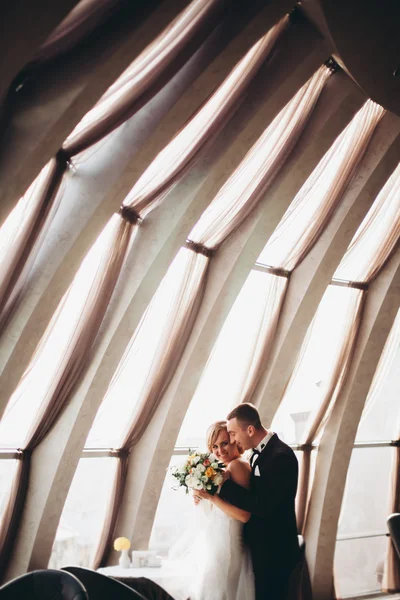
(199, 248)
(130, 215)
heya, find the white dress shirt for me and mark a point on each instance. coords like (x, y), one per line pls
(260, 447)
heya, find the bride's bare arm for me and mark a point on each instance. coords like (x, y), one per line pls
(240, 473)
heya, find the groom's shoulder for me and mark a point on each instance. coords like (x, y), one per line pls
(282, 445)
(281, 448)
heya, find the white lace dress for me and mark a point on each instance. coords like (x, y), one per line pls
(213, 562)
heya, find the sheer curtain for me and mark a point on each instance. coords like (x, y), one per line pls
(308, 214)
(318, 198)
(152, 68)
(256, 172)
(334, 379)
(172, 162)
(82, 20)
(114, 503)
(64, 350)
(377, 235)
(20, 232)
(231, 205)
(369, 250)
(47, 383)
(300, 228)
(338, 368)
(273, 302)
(171, 338)
(304, 222)
(142, 79)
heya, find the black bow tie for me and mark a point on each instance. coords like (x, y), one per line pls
(254, 456)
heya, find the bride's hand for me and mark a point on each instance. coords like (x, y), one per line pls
(196, 499)
(202, 495)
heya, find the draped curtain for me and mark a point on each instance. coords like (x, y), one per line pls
(231, 205)
(296, 234)
(142, 79)
(333, 386)
(303, 223)
(377, 235)
(273, 303)
(82, 20)
(20, 232)
(87, 299)
(151, 69)
(320, 195)
(369, 250)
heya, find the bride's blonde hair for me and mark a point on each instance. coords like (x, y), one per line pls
(213, 432)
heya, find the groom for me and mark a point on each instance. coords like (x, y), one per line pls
(271, 532)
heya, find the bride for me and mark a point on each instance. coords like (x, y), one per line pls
(216, 565)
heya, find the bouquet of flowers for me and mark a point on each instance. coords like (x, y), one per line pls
(201, 471)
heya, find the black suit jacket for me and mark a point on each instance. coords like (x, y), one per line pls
(271, 532)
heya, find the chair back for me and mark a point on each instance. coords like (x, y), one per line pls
(393, 522)
(101, 587)
(45, 584)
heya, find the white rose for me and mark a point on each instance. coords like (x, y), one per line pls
(198, 485)
(196, 460)
(212, 457)
(201, 468)
(190, 481)
(214, 465)
(218, 479)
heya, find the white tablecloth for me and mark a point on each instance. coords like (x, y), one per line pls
(158, 574)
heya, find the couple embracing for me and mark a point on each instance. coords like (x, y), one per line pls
(250, 535)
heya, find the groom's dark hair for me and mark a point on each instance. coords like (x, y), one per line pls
(246, 414)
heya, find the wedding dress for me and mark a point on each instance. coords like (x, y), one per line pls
(212, 561)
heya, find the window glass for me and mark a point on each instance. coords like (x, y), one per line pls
(361, 544)
(376, 236)
(316, 362)
(53, 351)
(139, 362)
(381, 415)
(174, 512)
(84, 512)
(359, 566)
(222, 382)
(8, 469)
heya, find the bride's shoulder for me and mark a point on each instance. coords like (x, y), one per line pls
(239, 464)
(240, 472)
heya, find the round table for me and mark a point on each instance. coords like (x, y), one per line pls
(163, 576)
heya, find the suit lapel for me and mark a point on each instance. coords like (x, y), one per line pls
(264, 453)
